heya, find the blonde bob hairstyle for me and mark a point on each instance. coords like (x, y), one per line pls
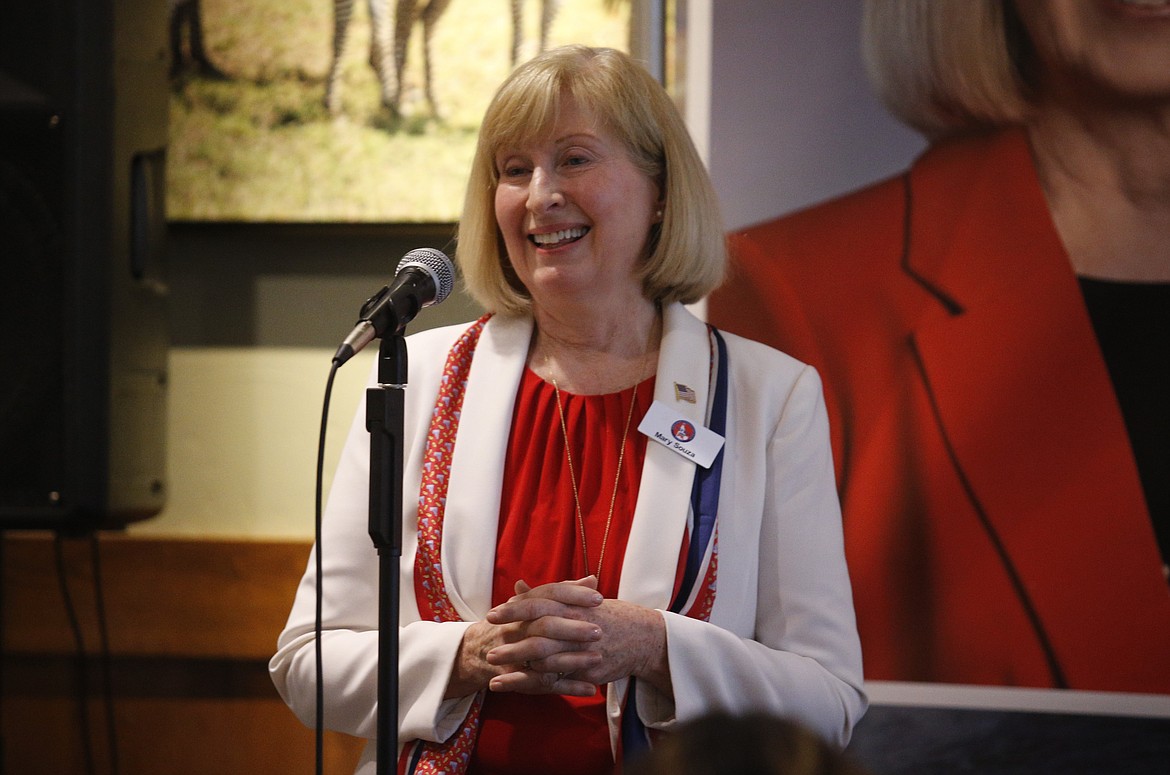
(686, 254)
(948, 66)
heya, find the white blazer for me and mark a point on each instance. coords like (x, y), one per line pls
(781, 638)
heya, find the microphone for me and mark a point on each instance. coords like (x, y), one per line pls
(424, 277)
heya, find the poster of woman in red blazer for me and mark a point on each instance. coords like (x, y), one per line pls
(991, 327)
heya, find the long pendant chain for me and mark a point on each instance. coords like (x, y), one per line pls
(573, 478)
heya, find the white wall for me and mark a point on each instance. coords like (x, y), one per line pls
(792, 117)
(256, 318)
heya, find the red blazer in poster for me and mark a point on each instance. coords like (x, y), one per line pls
(995, 525)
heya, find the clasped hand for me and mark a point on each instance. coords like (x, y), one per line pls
(562, 638)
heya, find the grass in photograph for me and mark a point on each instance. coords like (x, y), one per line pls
(259, 145)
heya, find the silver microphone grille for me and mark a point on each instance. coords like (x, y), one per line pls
(437, 264)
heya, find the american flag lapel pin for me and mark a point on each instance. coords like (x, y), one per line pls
(683, 393)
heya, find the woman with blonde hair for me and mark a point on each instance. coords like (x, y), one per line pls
(991, 327)
(625, 518)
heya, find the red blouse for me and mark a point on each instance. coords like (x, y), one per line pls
(539, 541)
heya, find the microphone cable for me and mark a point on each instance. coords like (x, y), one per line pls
(105, 658)
(82, 674)
(81, 657)
(319, 728)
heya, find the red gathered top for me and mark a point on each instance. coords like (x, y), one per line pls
(539, 541)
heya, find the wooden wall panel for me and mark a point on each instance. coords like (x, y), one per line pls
(191, 625)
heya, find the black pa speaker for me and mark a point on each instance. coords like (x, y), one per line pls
(83, 324)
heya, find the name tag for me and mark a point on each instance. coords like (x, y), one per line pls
(694, 442)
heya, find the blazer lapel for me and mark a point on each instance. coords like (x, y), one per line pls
(477, 465)
(660, 518)
(1022, 393)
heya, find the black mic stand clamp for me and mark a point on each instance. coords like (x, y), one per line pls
(385, 410)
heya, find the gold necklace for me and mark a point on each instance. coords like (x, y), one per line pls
(573, 478)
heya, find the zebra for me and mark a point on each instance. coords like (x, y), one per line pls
(389, 36)
(380, 51)
(388, 54)
(187, 15)
(410, 12)
(548, 13)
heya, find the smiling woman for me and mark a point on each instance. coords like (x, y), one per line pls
(574, 211)
(589, 222)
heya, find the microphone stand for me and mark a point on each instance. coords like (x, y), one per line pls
(385, 408)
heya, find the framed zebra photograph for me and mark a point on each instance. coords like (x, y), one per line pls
(349, 111)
